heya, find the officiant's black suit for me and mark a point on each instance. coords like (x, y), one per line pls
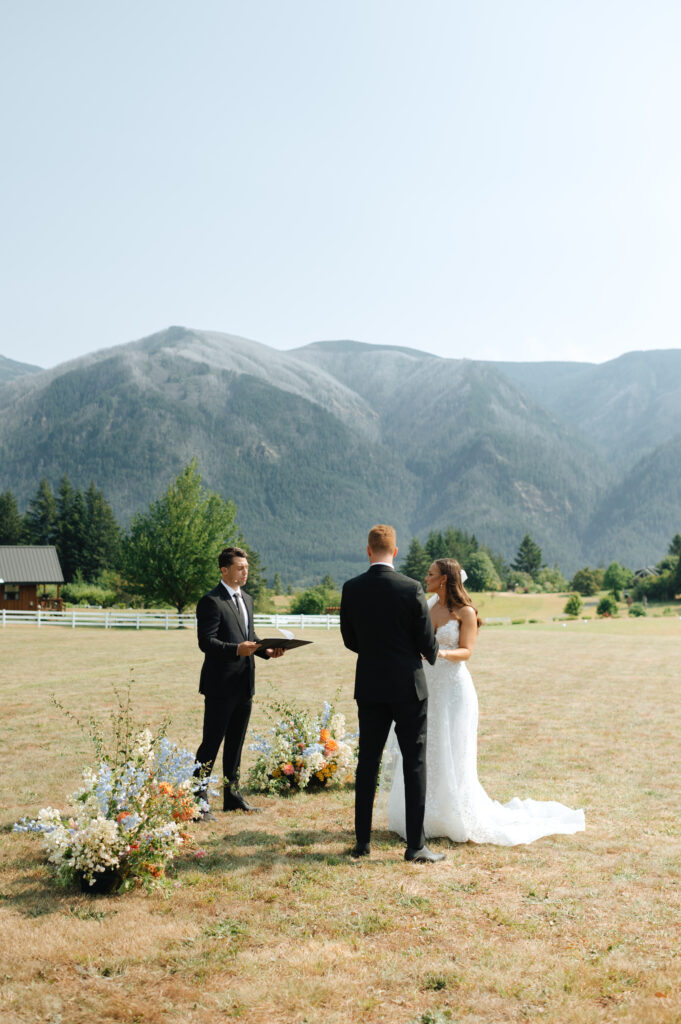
(227, 681)
(385, 620)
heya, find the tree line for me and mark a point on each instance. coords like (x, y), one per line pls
(168, 556)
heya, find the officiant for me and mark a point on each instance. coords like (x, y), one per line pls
(224, 621)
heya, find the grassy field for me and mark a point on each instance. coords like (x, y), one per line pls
(277, 924)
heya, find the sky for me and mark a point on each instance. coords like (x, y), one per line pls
(484, 179)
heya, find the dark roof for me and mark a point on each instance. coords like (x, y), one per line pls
(30, 565)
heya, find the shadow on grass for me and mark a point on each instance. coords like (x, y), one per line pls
(263, 850)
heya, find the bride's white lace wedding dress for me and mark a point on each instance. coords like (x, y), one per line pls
(457, 806)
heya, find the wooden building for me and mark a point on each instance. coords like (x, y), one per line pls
(22, 571)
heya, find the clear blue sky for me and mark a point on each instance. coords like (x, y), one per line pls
(490, 179)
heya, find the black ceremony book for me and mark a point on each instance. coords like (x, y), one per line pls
(282, 641)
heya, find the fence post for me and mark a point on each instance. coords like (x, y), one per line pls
(73, 619)
(38, 618)
(3, 618)
(137, 621)
(166, 621)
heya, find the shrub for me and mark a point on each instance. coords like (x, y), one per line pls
(585, 581)
(481, 573)
(573, 605)
(637, 610)
(315, 601)
(607, 606)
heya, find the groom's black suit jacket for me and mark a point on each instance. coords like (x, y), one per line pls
(220, 630)
(385, 619)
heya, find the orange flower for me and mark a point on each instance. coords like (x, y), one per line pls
(123, 814)
(288, 769)
(166, 788)
(324, 736)
(331, 745)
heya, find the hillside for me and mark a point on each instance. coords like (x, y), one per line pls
(10, 369)
(315, 444)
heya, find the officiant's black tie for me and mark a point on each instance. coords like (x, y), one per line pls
(241, 608)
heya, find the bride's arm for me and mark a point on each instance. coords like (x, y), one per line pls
(468, 634)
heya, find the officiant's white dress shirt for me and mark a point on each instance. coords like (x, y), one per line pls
(241, 604)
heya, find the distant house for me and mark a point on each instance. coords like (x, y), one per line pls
(649, 570)
(22, 571)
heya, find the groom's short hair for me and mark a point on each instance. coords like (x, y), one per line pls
(227, 556)
(382, 538)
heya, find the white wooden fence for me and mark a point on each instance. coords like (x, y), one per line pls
(108, 618)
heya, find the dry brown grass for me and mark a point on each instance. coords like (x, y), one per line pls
(276, 924)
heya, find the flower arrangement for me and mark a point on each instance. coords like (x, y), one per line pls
(303, 750)
(130, 815)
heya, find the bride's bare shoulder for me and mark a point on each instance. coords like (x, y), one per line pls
(468, 614)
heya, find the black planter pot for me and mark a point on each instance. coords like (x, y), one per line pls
(105, 882)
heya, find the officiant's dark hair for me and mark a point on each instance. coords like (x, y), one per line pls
(227, 556)
(455, 592)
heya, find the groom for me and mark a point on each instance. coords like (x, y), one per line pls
(385, 620)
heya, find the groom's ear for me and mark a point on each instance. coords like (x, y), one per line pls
(395, 552)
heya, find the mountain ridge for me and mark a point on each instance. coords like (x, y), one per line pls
(316, 443)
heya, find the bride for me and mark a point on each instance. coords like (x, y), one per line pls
(456, 804)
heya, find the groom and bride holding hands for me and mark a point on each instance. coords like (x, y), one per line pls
(417, 706)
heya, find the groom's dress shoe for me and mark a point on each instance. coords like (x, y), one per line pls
(360, 850)
(424, 855)
(236, 802)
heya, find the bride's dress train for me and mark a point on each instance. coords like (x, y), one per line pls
(457, 806)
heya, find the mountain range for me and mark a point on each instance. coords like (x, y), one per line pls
(317, 443)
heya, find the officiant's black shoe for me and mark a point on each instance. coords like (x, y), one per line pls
(424, 855)
(236, 802)
(360, 850)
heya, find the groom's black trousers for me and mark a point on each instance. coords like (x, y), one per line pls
(375, 719)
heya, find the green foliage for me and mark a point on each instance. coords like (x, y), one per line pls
(315, 600)
(416, 563)
(519, 581)
(637, 609)
(585, 581)
(276, 584)
(528, 557)
(607, 606)
(171, 552)
(481, 573)
(11, 523)
(81, 592)
(616, 577)
(657, 588)
(675, 545)
(551, 581)
(41, 516)
(573, 605)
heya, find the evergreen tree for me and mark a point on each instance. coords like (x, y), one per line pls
(276, 584)
(416, 563)
(171, 552)
(675, 546)
(11, 523)
(436, 546)
(41, 516)
(528, 558)
(70, 529)
(102, 535)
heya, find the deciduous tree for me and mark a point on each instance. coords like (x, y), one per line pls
(171, 551)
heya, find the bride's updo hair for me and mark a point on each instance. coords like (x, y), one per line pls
(455, 592)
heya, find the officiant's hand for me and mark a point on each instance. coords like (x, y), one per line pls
(245, 649)
(276, 652)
